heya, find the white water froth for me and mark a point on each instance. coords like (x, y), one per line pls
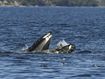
(61, 44)
(25, 48)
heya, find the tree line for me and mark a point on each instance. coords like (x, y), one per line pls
(54, 2)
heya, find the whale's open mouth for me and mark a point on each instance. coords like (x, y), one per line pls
(42, 43)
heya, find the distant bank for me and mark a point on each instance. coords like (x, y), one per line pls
(68, 3)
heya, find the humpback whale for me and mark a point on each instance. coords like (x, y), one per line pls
(43, 43)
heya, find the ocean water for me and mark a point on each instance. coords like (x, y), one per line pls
(84, 27)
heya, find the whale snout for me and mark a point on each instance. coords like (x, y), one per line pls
(48, 35)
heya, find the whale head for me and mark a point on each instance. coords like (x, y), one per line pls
(42, 43)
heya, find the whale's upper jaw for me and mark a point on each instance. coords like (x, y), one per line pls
(42, 43)
(47, 40)
(47, 36)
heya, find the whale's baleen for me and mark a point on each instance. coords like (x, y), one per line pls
(41, 44)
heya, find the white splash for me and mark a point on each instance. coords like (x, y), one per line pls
(25, 48)
(61, 44)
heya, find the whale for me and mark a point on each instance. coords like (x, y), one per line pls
(42, 43)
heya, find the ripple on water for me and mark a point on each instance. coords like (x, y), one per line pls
(83, 27)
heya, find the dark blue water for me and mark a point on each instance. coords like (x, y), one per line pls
(84, 27)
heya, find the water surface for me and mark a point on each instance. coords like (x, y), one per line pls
(83, 27)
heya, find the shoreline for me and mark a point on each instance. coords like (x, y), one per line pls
(20, 6)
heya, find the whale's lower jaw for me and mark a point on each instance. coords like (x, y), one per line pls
(65, 49)
(53, 51)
